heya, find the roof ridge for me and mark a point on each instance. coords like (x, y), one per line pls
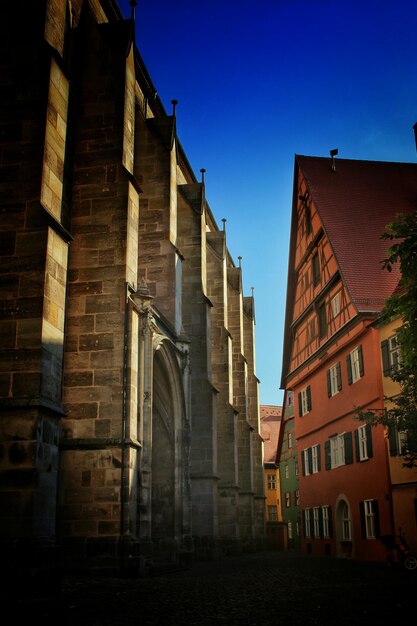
(327, 158)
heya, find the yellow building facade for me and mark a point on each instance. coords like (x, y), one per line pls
(403, 479)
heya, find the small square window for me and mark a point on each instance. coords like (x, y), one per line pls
(315, 269)
(322, 320)
(305, 282)
(336, 304)
(311, 330)
(273, 513)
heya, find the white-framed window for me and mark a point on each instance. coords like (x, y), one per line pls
(334, 380)
(346, 523)
(402, 441)
(307, 522)
(395, 353)
(306, 463)
(296, 469)
(287, 499)
(391, 355)
(304, 398)
(355, 365)
(311, 330)
(297, 497)
(362, 443)
(289, 440)
(316, 521)
(369, 519)
(336, 304)
(398, 444)
(326, 522)
(273, 513)
(315, 458)
(287, 472)
(272, 482)
(305, 282)
(337, 450)
(289, 530)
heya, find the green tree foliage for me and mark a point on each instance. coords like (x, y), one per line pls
(402, 305)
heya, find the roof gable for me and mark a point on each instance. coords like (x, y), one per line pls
(355, 203)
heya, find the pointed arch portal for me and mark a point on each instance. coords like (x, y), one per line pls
(166, 464)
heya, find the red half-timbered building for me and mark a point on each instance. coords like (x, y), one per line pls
(331, 359)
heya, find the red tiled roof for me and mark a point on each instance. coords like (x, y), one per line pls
(270, 411)
(355, 203)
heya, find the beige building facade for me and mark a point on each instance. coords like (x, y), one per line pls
(129, 411)
(271, 424)
(403, 479)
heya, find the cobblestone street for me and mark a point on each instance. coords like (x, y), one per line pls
(263, 589)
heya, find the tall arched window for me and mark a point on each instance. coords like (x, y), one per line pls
(346, 522)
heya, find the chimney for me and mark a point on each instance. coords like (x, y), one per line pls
(333, 153)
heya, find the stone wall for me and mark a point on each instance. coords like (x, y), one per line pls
(127, 364)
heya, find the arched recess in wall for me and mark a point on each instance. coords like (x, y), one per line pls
(167, 451)
(344, 528)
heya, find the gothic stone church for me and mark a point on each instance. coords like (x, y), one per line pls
(129, 411)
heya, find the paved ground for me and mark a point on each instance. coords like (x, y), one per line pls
(264, 589)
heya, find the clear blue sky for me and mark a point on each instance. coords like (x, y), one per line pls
(259, 81)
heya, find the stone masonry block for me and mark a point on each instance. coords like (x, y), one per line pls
(78, 379)
(102, 304)
(81, 410)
